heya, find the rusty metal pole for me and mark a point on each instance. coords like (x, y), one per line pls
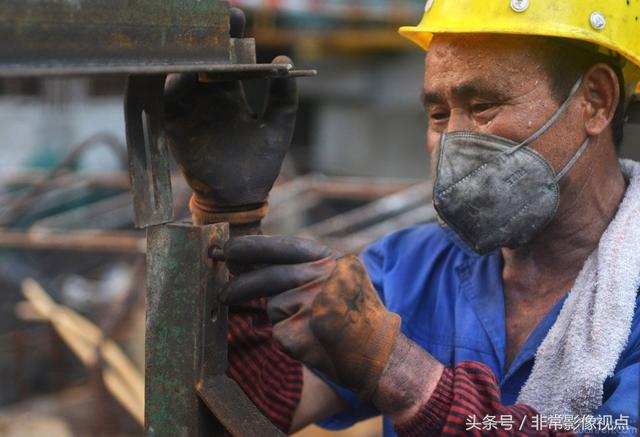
(187, 392)
(180, 279)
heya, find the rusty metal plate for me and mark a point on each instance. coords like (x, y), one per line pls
(187, 392)
(233, 409)
(179, 278)
(97, 37)
(88, 36)
(223, 396)
(148, 151)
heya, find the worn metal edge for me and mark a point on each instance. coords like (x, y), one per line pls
(226, 400)
(43, 70)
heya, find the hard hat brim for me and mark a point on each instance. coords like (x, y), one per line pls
(423, 35)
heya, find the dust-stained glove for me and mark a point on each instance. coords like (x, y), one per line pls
(230, 156)
(324, 308)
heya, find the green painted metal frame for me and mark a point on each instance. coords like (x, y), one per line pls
(187, 392)
(148, 151)
(180, 278)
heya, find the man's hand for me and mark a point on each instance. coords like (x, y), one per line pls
(230, 156)
(324, 308)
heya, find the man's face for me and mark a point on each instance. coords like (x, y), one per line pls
(495, 84)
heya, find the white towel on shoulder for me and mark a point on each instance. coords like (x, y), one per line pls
(583, 347)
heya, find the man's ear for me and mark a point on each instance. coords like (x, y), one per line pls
(601, 92)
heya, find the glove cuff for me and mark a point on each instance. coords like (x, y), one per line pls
(378, 353)
(204, 213)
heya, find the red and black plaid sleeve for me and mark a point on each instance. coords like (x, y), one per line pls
(269, 377)
(467, 402)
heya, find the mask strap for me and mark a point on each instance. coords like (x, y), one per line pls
(573, 160)
(552, 120)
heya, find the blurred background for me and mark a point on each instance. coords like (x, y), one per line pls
(358, 169)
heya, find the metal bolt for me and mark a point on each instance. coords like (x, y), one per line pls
(428, 6)
(519, 5)
(216, 253)
(598, 21)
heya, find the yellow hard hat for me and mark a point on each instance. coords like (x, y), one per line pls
(611, 25)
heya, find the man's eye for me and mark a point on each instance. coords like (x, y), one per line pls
(439, 115)
(482, 107)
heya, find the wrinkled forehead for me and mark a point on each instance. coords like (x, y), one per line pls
(501, 58)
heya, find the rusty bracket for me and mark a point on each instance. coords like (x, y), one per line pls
(133, 37)
(240, 417)
(187, 392)
(148, 153)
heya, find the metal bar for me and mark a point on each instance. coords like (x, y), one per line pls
(293, 211)
(61, 36)
(357, 241)
(235, 411)
(359, 188)
(179, 276)
(252, 71)
(114, 212)
(223, 396)
(418, 215)
(82, 241)
(166, 66)
(352, 188)
(370, 213)
(290, 200)
(118, 180)
(186, 340)
(148, 154)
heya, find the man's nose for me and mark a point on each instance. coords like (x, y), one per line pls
(459, 120)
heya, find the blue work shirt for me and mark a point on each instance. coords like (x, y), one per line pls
(452, 304)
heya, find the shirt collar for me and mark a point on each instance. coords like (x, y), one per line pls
(481, 282)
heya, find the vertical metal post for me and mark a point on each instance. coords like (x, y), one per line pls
(182, 284)
(148, 151)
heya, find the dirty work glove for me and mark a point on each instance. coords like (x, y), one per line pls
(325, 311)
(230, 156)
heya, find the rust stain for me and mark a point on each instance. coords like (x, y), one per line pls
(121, 40)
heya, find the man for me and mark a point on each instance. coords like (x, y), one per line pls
(437, 327)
